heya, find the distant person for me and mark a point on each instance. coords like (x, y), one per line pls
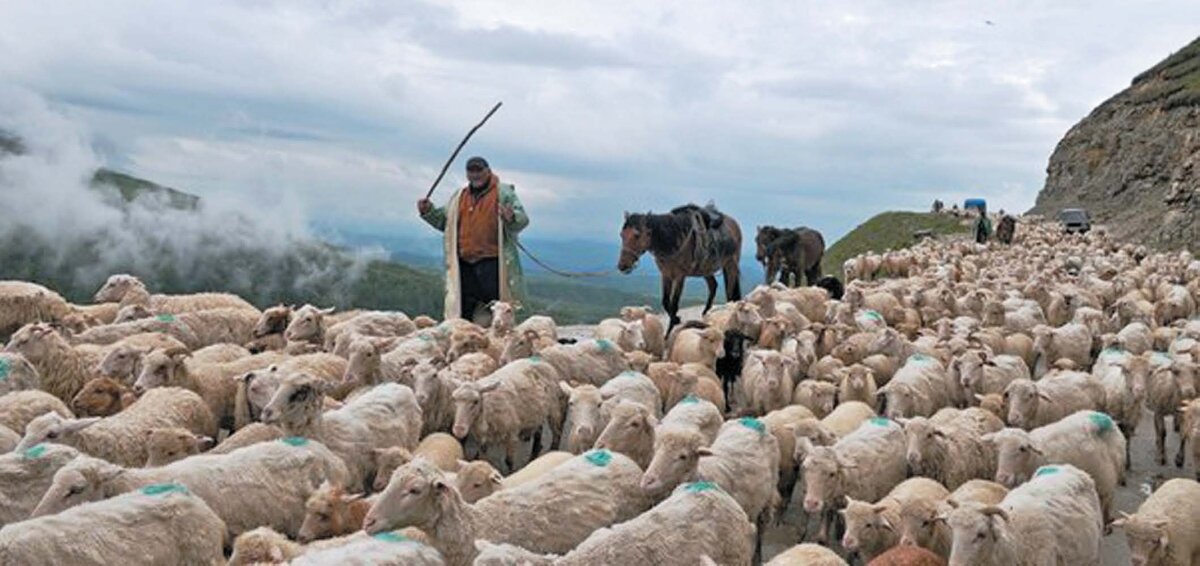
(983, 226)
(480, 223)
(938, 206)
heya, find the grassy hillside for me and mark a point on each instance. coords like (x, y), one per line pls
(888, 231)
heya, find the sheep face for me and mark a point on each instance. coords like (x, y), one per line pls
(1017, 457)
(583, 412)
(918, 523)
(363, 360)
(824, 476)
(298, 397)
(865, 524)
(818, 396)
(477, 480)
(120, 363)
(36, 342)
(503, 317)
(326, 514)
(630, 314)
(922, 436)
(809, 433)
(116, 287)
(629, 425)
(158, 370)
(411, 498)
(260, 386)
(468, 405)
(51, 427)
(80, 481)
(467, 341)
(387, 461)
(977, 529)
(101, 397)
(1148, 539)
(902, 400)
(307, 326)
(518, 346)
(676, 455)
(130, 313)
(1022, 398)
(166, 445)
(274, 320)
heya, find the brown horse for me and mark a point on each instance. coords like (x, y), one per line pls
(687, 242)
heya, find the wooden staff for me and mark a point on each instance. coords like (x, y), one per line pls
(459, 148)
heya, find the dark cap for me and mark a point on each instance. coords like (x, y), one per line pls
(477, 162)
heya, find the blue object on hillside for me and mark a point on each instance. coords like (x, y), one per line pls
(976, 203)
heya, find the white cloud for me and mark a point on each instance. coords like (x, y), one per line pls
(774, 109)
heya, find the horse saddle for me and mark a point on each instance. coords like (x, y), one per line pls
(713, 218)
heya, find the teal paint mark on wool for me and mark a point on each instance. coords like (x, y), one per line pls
(1045, 471)
(599, 457)
(605, 346)
(161, 488)
(1102, 421)
(880, 421)
(4, 368)
(34, 451)
(391, 537)
(294, 440)
(700, 486)
(753, 423)
(166, 317)
(689, 399)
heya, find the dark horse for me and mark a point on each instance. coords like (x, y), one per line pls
(1006, 229)
(790, 253)
(687, 242)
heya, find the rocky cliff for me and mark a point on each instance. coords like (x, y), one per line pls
(1133, 162)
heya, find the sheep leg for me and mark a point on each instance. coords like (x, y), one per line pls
(1160, 432)
(1179, 456)
(511, 445)
(1128, 442)
(537, 444)
(761, 524)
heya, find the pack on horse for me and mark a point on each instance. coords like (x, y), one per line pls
(791, 253)
(689, 241)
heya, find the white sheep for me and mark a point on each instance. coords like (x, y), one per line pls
(629, 336)
(1166, 528)
(129, 290)
(553, 514)
(820, 397)
(63, 370)
(919, 388)
(743, 460)
(1052, 519)
(519, 398)
(864, 465)
(121, 438)
(443, 450)
(22, 303)
(652, 328)
(696, 345)
(385, 415)
(919, 520)
(213, 382)
(1088, 440)
(588, 361)
(164, 323)
(979, 373)
(630, 431)
(698, 521)
(952, 450)
(1124, 377)
(382, 549)
(478, 479)
(373, 323)
(1070, 341)
(265, 484)
(17, 374)
(588, 407)
(19, 408)
(1032, 404)
(782, 424)
(765, 382)
(856, 383)
(872, 528)
(158, 524)
(1169, 386)
(25, 475)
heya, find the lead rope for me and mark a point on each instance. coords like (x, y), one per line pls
(560, 272)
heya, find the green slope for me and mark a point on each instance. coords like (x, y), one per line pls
(888, 231)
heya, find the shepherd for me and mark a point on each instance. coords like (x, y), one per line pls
(480, 222)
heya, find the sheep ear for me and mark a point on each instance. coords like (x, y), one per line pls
(327, 311)
(994, 511)
(353, 497)
(704, 451)
(462, 463)
(979, 397)
(566, 389)
(883, 520)
(1045, 397)
(496, 478)
(76, 425)
(441, 487)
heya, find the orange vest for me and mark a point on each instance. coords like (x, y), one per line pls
(479, 224)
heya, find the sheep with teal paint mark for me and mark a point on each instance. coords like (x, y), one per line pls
(743, 460)
(1088, 440)
(919, 388)
(25, 475)
(155, 525)
(626, 335)
(590, 362)
(285, 473)
(589, 408)
(17, 374)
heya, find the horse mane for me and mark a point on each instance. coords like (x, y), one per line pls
(667, 231)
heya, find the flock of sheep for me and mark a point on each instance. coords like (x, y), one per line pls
(961, 403)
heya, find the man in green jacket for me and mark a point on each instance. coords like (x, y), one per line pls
(480, 223)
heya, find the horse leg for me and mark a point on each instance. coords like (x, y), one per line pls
(733, 285)
(712, 292)
(676, 294)
(667, 288)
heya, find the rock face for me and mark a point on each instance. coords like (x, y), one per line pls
(1134, 162)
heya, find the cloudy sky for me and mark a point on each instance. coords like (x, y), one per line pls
(816, 113)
